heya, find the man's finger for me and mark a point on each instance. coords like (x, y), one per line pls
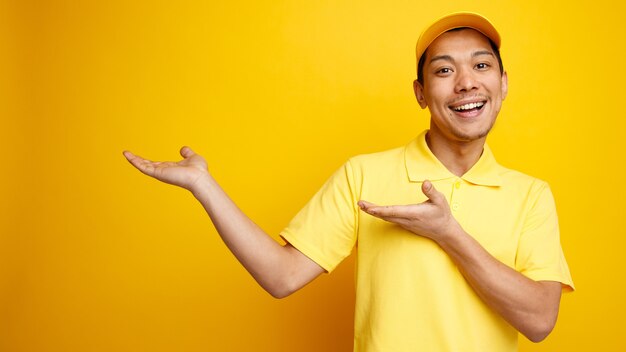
(431, 192)
(132, 158)
(186, 152)
(129, 156)
(386, 212)
(140, 163)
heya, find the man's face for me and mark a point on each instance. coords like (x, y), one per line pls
(463, 87)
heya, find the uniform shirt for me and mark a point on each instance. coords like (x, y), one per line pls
(410, 296)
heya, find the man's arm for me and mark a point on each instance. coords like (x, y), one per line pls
(280, 270)
(529, 306)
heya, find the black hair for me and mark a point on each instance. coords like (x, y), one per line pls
(422, 60)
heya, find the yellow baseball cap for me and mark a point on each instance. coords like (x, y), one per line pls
(452, 21)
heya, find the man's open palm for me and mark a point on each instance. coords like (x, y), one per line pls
(431, 218)
(184, 173)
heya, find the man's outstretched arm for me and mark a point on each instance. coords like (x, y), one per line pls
(529, 306)
(280, 270)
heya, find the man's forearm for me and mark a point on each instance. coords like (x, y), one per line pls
(529, 306)
(280, 270)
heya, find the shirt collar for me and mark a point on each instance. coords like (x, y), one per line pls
(422, 164)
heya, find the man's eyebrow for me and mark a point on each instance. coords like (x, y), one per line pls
(482, 52)
(441, 57)
(449, 58)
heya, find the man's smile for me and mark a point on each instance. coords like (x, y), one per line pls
(468, 108)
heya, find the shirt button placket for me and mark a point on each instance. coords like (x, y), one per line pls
(454, 205)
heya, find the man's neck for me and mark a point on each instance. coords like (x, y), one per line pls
(457, 157)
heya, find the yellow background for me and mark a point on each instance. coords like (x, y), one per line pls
(95, 256)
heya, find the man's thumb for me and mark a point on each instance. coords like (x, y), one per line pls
(186, 152)
(429, 191)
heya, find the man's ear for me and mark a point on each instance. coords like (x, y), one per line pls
(419, 94)
(504, 86)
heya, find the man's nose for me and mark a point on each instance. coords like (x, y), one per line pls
(466, 81)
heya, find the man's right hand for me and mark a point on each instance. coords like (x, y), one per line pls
(280, 270)
(185, 173)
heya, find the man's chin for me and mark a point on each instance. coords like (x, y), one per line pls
(467, 136)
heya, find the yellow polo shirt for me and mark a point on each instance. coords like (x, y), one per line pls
(409, 294)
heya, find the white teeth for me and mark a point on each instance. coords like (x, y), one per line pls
(469, 106)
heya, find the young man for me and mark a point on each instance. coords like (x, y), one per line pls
(471, 260)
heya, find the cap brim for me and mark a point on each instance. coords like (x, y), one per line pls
(452, 21)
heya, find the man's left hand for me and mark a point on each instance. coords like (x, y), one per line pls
(431, 218)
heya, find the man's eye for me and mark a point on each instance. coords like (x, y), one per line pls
(482, 66)
(444, 70)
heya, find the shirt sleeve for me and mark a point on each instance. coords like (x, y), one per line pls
(325, 229)
(539, 255)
